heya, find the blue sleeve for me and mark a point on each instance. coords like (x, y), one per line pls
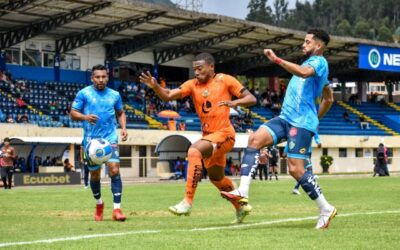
(79, 101)
(118, 104)
(318, 65)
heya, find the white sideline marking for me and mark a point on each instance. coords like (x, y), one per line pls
(90, 236)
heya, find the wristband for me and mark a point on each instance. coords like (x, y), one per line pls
(278, 60)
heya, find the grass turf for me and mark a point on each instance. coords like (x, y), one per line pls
(40, 213)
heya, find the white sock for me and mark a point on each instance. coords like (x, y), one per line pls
(244, 185)
(323, 204)
(99, 201)
(117, 205)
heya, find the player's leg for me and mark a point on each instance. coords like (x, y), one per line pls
(116, 184)
(96, 190)
(10, 175)
(194, 172)
(268, 134)
(276, 172)
(4, 176)
(299, 140)
(85, 175)
(270, 172)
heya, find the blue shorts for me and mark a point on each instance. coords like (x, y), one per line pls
(298, 139)
(114, 158)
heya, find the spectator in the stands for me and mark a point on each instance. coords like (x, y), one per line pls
(346, 117)
(10, 119)
(182, 126)
(363, 123)
(20, 103)
(171, 124)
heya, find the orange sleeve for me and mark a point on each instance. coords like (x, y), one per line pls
(234, 86)
(186, 88)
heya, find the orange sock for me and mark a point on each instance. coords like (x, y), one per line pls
(193, 173)
(226, 185)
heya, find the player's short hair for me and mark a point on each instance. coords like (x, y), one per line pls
(320, 34)
(7, 139)
(207, 57)
(98, 67)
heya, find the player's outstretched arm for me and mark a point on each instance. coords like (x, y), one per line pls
(245, 99)
(122, 122)
(295, 69)
(78, 116)
(327, 101)
(164, 94)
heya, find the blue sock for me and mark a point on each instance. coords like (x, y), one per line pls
(95, 186)
(250, 161)
(310, 185)
(297, 185)
(116, 188)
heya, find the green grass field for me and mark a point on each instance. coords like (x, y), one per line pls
(369, 218)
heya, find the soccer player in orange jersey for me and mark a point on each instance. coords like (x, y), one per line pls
(212, 96)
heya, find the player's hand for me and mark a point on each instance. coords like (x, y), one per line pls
(124, 134)
(148, 79)
(92, 119)
(270, 54)
(230, 104)
(319, 145)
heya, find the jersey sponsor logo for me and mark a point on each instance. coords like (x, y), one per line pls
(206, 107)
(302, 150)
(292, 145)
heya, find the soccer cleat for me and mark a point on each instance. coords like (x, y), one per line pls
(325, 218)
(243, 211)
(98, 215)
(235, 196)
(296, 191)
(182, 208)
(117, 215)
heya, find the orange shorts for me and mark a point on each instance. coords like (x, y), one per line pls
(223, 143)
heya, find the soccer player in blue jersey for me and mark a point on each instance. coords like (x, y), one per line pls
(98, 106)
(297, 122)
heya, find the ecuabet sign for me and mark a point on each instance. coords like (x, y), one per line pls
(378, 58)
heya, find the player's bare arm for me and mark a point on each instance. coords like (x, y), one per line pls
(163, 93)
(292, 68)
(327, 101)
(245, 99)
(122, 122)
(78, 116)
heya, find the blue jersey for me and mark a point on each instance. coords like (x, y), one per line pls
(102, 103)
(303, 95)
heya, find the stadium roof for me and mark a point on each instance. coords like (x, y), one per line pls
(128, 26)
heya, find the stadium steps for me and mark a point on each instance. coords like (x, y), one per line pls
(153, 123)
(254, 114)
(394, 106)
(367, 118)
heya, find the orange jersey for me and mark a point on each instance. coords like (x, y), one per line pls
(206, 97)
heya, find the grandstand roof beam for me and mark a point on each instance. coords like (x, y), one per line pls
(245, 64)
(13, 5)
(190, 48)
(223, 55)
(76, 41)
(126, 47)
(13, 37)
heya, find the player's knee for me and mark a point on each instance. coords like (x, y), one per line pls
(254, 142)
(95, 175)
(113, 171)
(194, 153)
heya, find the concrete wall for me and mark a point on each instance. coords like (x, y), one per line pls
(150, 138)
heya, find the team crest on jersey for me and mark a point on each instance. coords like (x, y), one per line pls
(205, 93)
(302, 150)
(293, 132)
